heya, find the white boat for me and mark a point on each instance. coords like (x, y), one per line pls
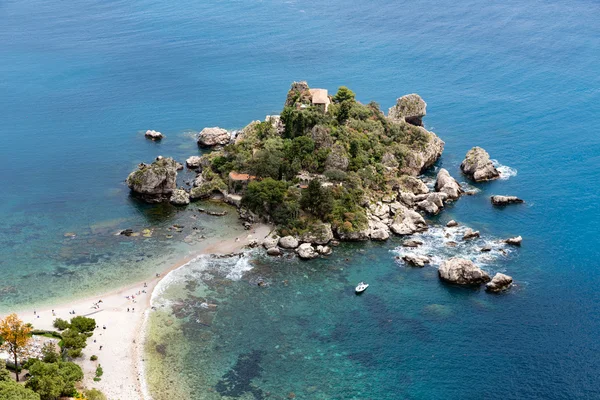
(362, 287)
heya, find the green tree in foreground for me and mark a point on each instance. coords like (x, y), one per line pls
(10, 390)
(4, 373)
(52, 380)
(83, 324)
(73, 342)
(16, 335)
(94, 394)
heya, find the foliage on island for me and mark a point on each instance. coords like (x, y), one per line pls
(316, 165)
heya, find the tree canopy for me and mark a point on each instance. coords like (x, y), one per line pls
(16, 336)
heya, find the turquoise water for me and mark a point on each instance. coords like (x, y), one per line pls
(81, 81)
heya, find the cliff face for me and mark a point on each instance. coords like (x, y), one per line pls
(154, 182)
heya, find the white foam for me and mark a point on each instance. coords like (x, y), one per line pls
(242, 265)
(506, 172)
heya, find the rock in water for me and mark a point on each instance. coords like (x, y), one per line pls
(154, 182)
(499, 283)
(193, 162)
(407, 222)
(318, 233)
(288, 242)
(274, 251)
(515, 241)
(478, 166)
(504, 200)
(470, 234)
(462, 272)
(447, 184)
(180, 197)
(213, 136)
(153, 135)
(410, 108)
(306, 251)
(416, 260)
(270, 242)
(412, 243)
(452, 223)
(432, 202)
(324, 250)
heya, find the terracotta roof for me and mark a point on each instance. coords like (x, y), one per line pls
(319, 96)
(236, 176)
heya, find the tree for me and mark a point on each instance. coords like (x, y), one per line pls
(4, 373)
(83, 324)
(49, 353)
(10, 390)
(343, 94)
(61, 324)
(316, 199)
(52, 380)
(73, 342)
(94, 394)
(16, 335)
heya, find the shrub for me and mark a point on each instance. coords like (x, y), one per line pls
(93, 358)
(61, 324)
(83, 324)
(99, 371)
(94, 394)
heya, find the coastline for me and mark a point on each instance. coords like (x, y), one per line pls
(122, 342)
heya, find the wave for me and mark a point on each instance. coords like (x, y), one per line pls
(506, 172)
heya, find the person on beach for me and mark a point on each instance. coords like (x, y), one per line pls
(127, 309)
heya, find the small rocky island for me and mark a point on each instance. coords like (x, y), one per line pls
(329, 168)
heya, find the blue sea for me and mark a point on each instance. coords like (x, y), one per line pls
(81, 81)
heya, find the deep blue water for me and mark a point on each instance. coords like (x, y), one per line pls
(79, 81)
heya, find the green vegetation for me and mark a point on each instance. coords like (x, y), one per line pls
(11, 390)
(61, 324)
(53, 380)
(322, 165)
(93, 357)
(94, 394)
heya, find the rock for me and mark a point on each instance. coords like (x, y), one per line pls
(417, 161)
(209, 137)
(412, 243)
(407, 222)
(515, 241)
(324, 250)
(270, 241)
(379, 209)
(447, 184)
(379, 231)
(155, 182)
(462, 272)
(126, 232)
(193, 162)
(412, 185)
(477, 165)
(406, 198)
(299, 93)
(452, 223)
(486, 249)
(504, 200)
(306, 252)
(416, 260)
(253, 243)
(179, 166)
(410, 108)
(153, 135)
(288, 242)
(470, 234)
(318, 233)
(354, 236)
(180, 197)
(273, 251)
(451, 244)
(233, 199)
(198, 180)
(433, 203)
(337, 158)
(499, 283)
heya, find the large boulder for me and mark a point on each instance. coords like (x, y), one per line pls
(270, 241)
(288, 242)
(447, 184)
(193, 162)
(419, 159)
(462, 272)
(416, 260)
(154, 182)
(410, 108)
(153, 135)
(412, 185)
(515, 241)
(505, 200)
(478, 166)
(407, 222)
(306, 252)
(379, 209)
(499, 283)
(180, 197)
(432, 203)
(274, 251)
(216, 136)
(379, 231)
(318, 233)
(470, 234)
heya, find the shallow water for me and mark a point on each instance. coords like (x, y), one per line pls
(80, 82)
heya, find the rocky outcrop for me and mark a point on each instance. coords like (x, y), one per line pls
(153, 135)
(418, 160)
(299, 93)
(180, 197)
(379, 231)
(515, 241)
(270, 241)
(431, 203)
(499, 283)
(337, 158)
(306, 252)
(324, 250)
(353, 236)
(154, 182)
(216, 136)
(470, 234)
(193, 162)
(447, 184)
(416, 260)
(505, 200)
(412, 243)
(288, 242)
(379, 209)
(319, 233)
(452, 223)
(409, 108)
(407, 222)
(478, 166)
(412, 185)
(462, 272)
(274, 251)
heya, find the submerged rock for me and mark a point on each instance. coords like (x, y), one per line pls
(154, 182)
(416, 260)
(478, 166)
(462, 272)
(499, 283)
(504, 200)
(410, 108)
(153, 135)
(515, 241)
(447, 184)
(209, 137)
(288, 242)
(306, 252)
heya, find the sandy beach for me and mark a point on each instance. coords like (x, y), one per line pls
(118, 340)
